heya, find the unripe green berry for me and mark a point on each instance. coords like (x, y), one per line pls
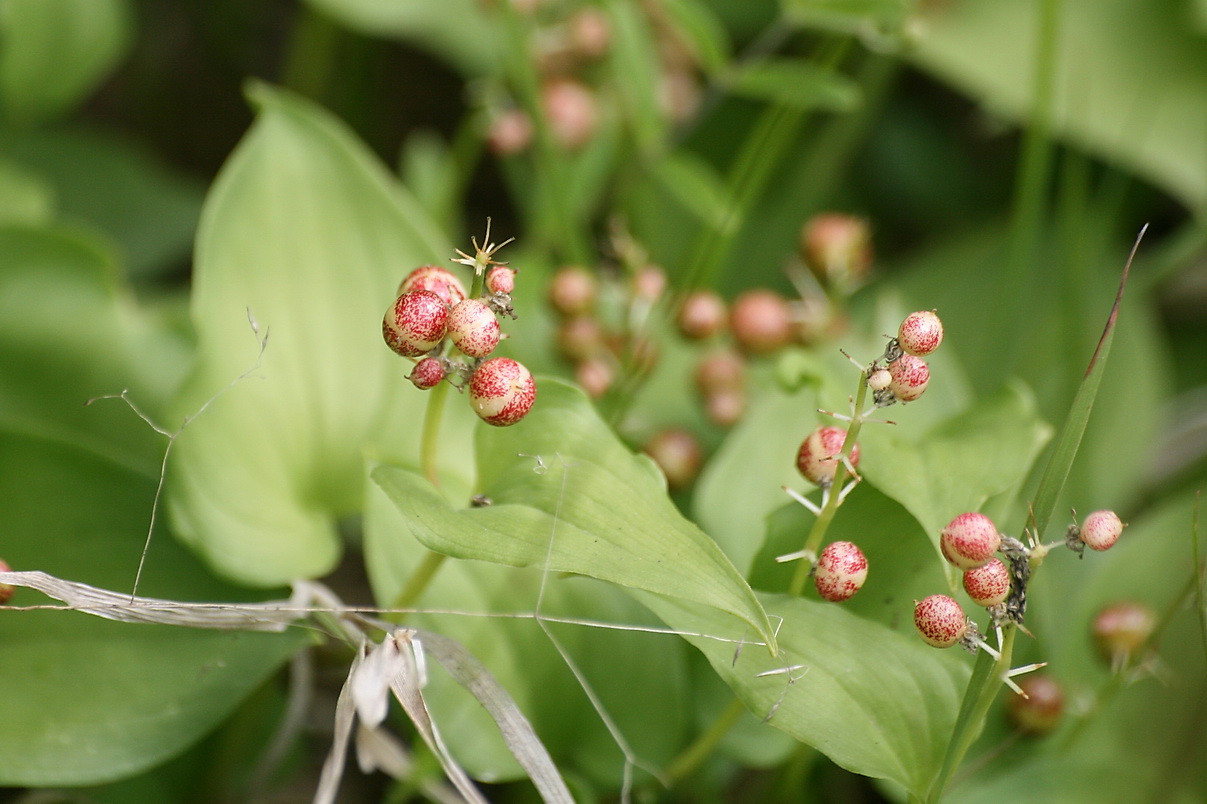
(438, 280)
(702, 315)
(679, 455)
(427, 373)
(817, 459)
(908, 377)
(1037, 711)
(940, 621)
(970, 540)
(501, 391)
(761, 321)
(1101, 529)
(474, 328)
(988, 584)
(840, 571)
(415, 323)
(920, 333)
(1121, 630)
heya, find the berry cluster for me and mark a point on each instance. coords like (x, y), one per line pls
(451, 334)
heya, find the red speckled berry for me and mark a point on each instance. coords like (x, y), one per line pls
(840, 571)
(427, 373)
(6, 589)
(500, 279)
(816, 460)
(1037, 711)
(1101, 529)
(970, 540)
(988, 584)
(761, 321)
(940, 621)
(702, 315)
(416, 323)
(438, 280)
(1122, 629)
(501, 391)
(920, 333)
(474, 328)
(908, 377)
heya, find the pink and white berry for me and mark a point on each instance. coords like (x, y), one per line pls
(501, 391)
(970, 540)
(1101, 529)
(988, 584)
(840, 571)
(879, 379)
(816, 459)
(427, 373)
(6, 589)
(474, 328)
(1122, 629)
(908, 377)
(415, 323)
(440, 281)
(500, 279)
(940, 621)
(920, 333)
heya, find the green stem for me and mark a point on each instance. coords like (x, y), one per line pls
(429, 443)
(703, 747)
(818, 532)
(418, 583)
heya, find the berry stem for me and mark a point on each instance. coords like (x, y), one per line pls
(691, 758)
(835, 497)
(418, 583)
(430, 438)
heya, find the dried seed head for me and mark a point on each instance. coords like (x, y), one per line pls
(1122, 629)
(438, 280)
(1037, 711)
(415, 323)
(920, 333)
(1101, 529)
(427, 373)
(501, 391)
(940, 621)
(817, 457)
(761, 321)
(840, 571)
(970, 540)
(573, 291)
(474, 328)
(702, 315)
(679, 455)
(500, 279)
(988, 584)
(908, 377)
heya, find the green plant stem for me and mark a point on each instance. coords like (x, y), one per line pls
(429, 443)
(818, 532)
(418, 582)
(702, 748)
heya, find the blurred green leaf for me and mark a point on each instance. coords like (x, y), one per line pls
(25, 198)
(56, 51)
(88, 700)
(308, 234)
(851, 16)
(706, 35)
(637, 73)
(794, 82)
(563, 512)
(695, 185)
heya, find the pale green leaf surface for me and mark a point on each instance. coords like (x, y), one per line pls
(1130, 83)
(852, 16)
(25, 197)
(38, 79)
(308, 233)
(875, 701)
(795, 82)
(588, 506)
(697, 186)
(88, 700)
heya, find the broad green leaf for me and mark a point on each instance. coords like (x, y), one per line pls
(705, 34)
(851, 16)
(56, 51)
(877, 702)
(569, 497)
(696, 186)
(87, 700)
(959, 464)
(25, 198)
(794, 82)
(305, 232)
(1111, 54)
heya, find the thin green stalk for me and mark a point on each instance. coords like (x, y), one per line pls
(429, 443)
(818, 532)
(692, 757)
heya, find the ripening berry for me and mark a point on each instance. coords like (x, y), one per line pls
(817, 459)
(595, 375)
(920, 333)
(510, 132)
(500, 279)
(702, 315)
(1037, 711)
(909, 377)
(590, 32)
(840, 571)
(970, 540)
(679, 93)
(1121, 630)
(1101, 529)
(988, 584)
(940, 621)
(725, 407)
(580, 338)
(720, 370)
(438, 280)
(474, 328)
(573, 291)
(837, 248)
(679, 455)
(570, 109)
(501, 391)
(879, 379)
(761, 321)
(416, 323)
(6, 589)
(427, 373)
(649, 283)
